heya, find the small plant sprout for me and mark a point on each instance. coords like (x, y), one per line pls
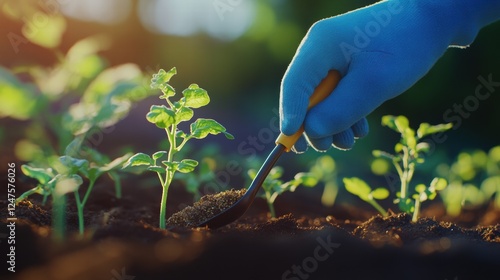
(56, 186)
(273, 186)
(168, 117)
(361, 189)
(324, 169)
(427, 193)
(66, 167)
(409, 152)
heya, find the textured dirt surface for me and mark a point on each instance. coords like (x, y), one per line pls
(122, 241)
(206, 208)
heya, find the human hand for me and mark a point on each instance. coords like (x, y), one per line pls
(381, 51)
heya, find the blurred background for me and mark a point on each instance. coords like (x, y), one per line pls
(238, 50)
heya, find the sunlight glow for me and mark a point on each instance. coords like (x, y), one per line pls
(222, 19)
(107, 12)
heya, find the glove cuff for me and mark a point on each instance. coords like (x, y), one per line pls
(463, 18)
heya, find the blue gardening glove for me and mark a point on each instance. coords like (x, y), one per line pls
(381, 51)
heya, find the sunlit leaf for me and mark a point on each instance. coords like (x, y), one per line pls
(420, 188)
(115, 164)
(427, 129)
(187, 165)
(195, 97)
(67, 183)
(161, 116)
(138, 160)
(307, 179)
(17, 100)
(438, 184)
(160, 81)
(42, 175)
(183, 114)
(159, 154)
(157, 169)
(201, 128)
(357, 187)
(380, 193)
(49, 34)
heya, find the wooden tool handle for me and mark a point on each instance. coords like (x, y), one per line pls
(324, 89)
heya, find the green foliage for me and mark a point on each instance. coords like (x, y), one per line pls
(65, 175)
(168, 117)
(324, 169)
(361, 189)
(409, 152)
(474, 180)
(273, 186)
(67, 109)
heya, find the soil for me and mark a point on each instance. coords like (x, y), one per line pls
(123, 241)
(208, 206)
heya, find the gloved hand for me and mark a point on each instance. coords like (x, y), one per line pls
(381, 51)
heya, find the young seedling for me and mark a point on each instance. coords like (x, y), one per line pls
(324, 169)
(409, 152)
(168, 117)
(361, 189)
(69, 167)
(427, 193)
(56, 186)
(273, 186)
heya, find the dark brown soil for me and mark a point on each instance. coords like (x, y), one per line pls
(123, 241)
(208, 206)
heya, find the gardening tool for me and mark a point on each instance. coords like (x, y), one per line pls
(284, 143)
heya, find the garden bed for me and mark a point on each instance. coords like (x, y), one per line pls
(123, 241)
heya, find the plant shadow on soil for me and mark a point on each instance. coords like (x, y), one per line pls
(123, 241)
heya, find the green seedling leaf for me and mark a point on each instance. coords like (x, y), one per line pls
(172, 166)
(74, 147)
(276, 172)
(160, 81)
(396, 123)
(183, 114)
(159, 154)
(138, 160)
(380, 193)
(409, 138)
(306, 179)
(73, 165)
(187, 165)
(195, 97)
(115, 164)
(438, 184)
(422, 147)
(157, 169)
(357, 187)
(491, 185)
(43, 176)
(426, 129)
(161, 116)
(67, 184)
(202, 127)
(431, 195)
(382, 154)
(18, 100)
(420, 188)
